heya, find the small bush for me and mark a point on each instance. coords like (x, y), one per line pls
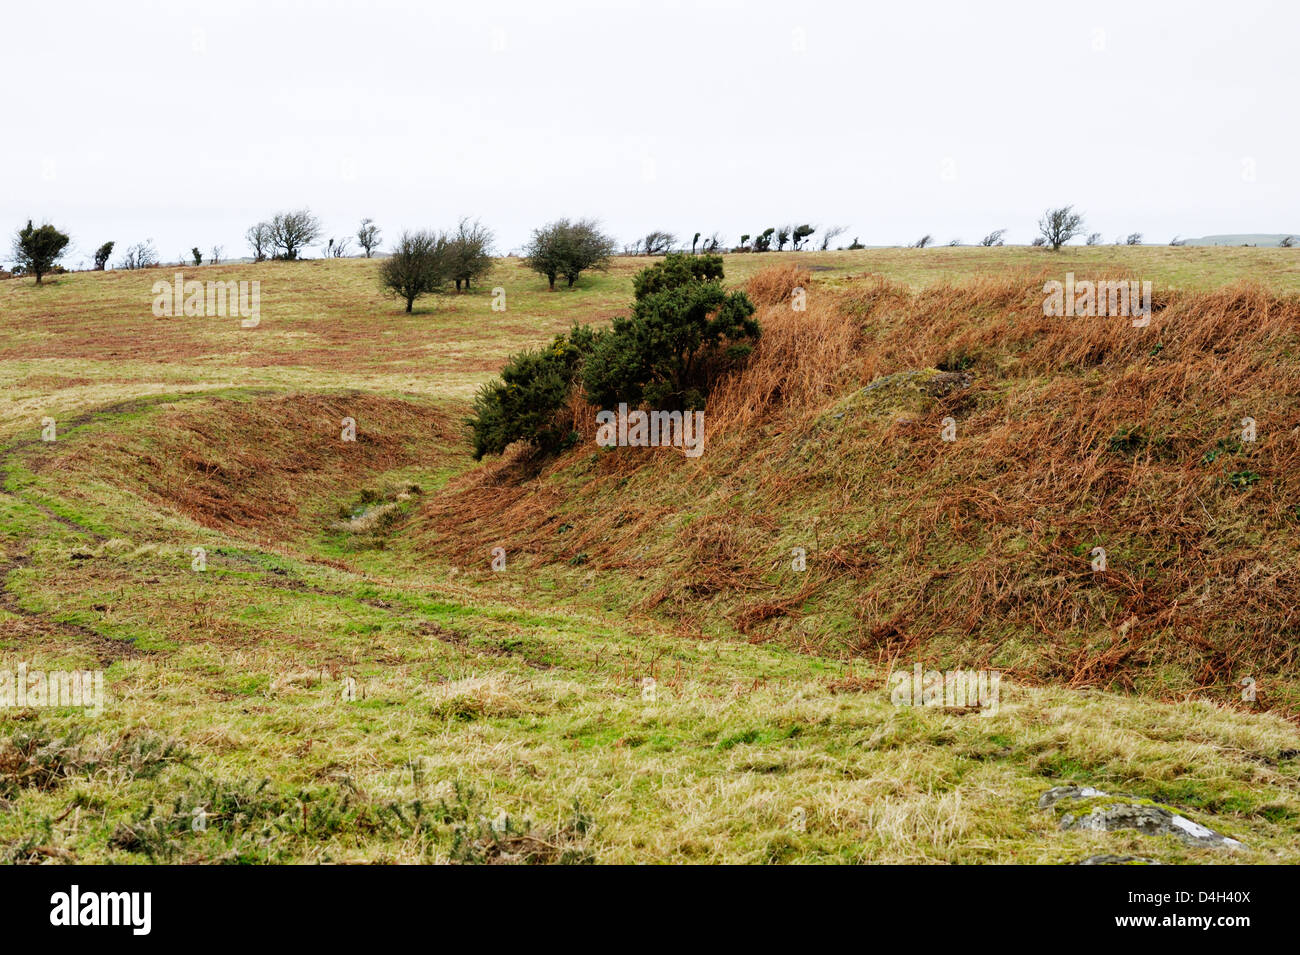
(684, 331)
(527, 402)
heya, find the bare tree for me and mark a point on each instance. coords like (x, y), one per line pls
(831, 234)
(1134, 238)
(291, 232)
(922, 242)
(259, 240)
(993, 238)
(1177, 241)
(1094, 239)
(954, 243)
(142, 255)
(1287, 243)
(783, 236)
(1059, 226)
(335, 248)
(215, 256)
(368, 236)
(712, 244)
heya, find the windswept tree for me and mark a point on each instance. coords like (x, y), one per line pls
(292, 232)
(101, 256)
(259, 240)
(658, 242)
(922, 242)
(471, 253)
(569, 249)
(368, 237)
(420, 263)
(1059, 226)
(1094, 238)
(36, 249)
(993, 238)
(831, 233)
(1134, 238)
(800, 235)
(783, 236)
(764, 240)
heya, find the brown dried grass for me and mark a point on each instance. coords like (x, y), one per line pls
(1074, 433)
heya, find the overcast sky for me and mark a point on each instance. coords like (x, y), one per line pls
(186, 122)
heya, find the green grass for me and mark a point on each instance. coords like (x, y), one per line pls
(331, 689)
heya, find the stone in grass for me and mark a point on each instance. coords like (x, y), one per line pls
(1148, 818)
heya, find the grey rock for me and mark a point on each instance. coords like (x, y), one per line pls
(1147, 818)
(1054, 795)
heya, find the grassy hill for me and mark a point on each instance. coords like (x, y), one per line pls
(347, 678)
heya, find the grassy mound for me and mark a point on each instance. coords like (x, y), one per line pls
(1070, 435)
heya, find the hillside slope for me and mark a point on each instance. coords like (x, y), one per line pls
(1070, 435)
(303, 645)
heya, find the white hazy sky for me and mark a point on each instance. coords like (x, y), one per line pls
(186, 122)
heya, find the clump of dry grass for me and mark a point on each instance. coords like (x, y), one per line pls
(775, 285)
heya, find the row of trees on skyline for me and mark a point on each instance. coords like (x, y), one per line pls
(561, 249)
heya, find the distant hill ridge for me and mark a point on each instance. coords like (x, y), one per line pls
(1247, 238)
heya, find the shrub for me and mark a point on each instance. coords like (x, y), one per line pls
(527, 402)
(684, 330)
